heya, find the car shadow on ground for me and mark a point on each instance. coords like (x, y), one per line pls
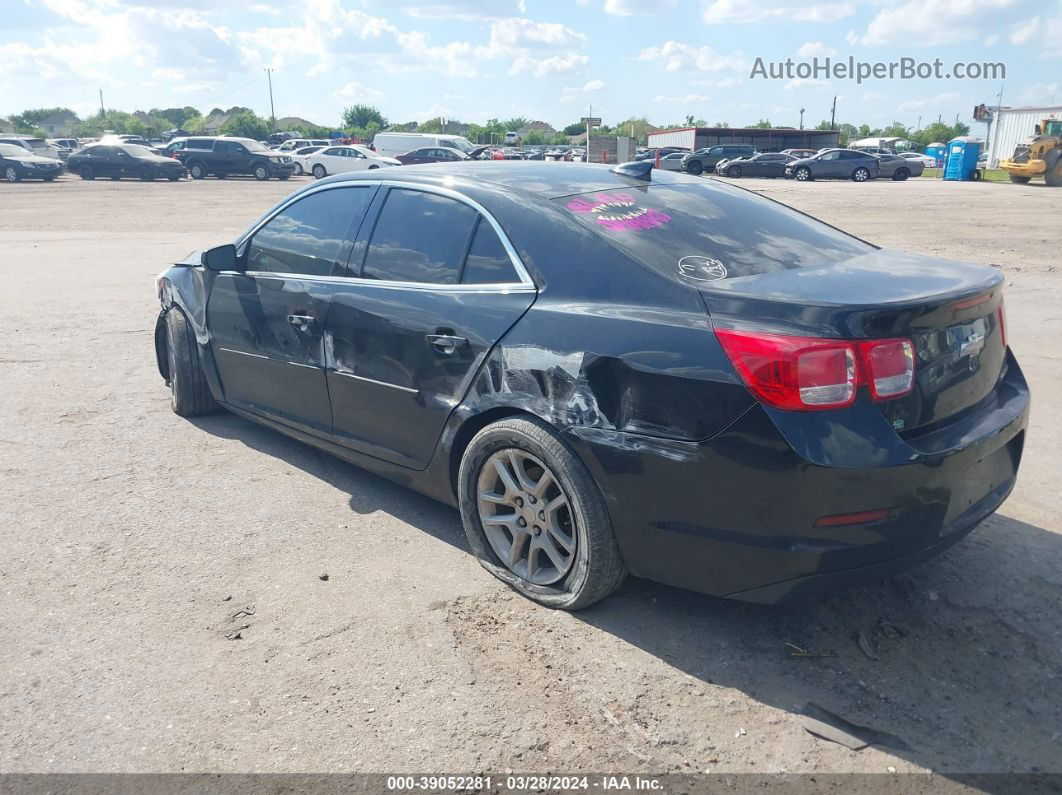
(960, 658)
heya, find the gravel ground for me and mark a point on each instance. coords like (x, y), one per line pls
(135, 543)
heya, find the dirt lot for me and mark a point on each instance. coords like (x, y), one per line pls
(134, 542)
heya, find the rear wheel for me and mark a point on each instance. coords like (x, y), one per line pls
(900, 174)
(146, 174)
(261, 173)
(535, 517)
(174, 178)
(49, 179)
(1019, 180)
(197, 170)
(860, 175)
(298, 170)
(1053, 176)
(189, 393)
(319, 171)
(802, 174)
(86, 172)
(11, 174)
(696, 167)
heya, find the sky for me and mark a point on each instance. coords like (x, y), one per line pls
(476, 59)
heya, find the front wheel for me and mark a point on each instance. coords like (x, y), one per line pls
(535, 518)
(860, 175)
(189, 393)
(298, 170)
(49, 179)
(1019, 180)
(733, 171)
(173, 178)
(146, 175)
(901, 174)
(87, 173)
(1053, 176)
(696, 167)
(261, 173)
(11, 174)
(197, 171)
(319, 171)
(802, 174)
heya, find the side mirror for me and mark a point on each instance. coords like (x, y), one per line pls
(219, 258)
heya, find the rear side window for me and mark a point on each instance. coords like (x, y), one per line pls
(200, 143)
(419, 237)
(306, 237)
(488, 262)
(708, 232)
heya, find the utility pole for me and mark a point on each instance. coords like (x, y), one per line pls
(102, 111)
(802, 118)
(833, 114)
(919, 126)
(272, 112)
(589, 115)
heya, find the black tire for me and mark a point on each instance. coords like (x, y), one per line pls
(146, 174)
(261, 172)
(860, 175)
(900, 174)
(49, 179)
(319, 171)
(220, 175)
(598, 568)
(1053, 176)
(11, 174)
(298, 170)
(803, 174)
(189, 393)
(87, 173)
(1019, 180)
(283, 177)
(173, 178)
(733, 171)
(116, 178)
(696, 167)
(197, 170)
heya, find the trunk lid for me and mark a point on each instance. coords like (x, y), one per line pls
(950, 311)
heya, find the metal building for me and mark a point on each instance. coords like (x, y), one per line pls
(766, 140)
(1011, 126)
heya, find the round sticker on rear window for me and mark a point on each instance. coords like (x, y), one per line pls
(618, 211)
(702, 269)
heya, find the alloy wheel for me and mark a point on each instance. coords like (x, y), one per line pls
(11, 174)
(526, 516)
(802, 174)
(860, 175)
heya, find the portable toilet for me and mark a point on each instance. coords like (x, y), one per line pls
(961, 163)
(936, 151)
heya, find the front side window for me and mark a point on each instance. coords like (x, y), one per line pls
(419, 237)
(834, 155)
(307, 236)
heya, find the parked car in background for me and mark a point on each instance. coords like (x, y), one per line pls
(432, 154)
(834, 164)
(706, 161)
(875, 150)
(393, 144)
(650, 154)
(65, 146)
(226, 156)
(799, 153)
(672, 162)
(765, 164)
(795, 410)
(36, 146)
(18, 163)
(177, 132)
(299, 157)
(290, 145)
(898, 168)
(343, 159)
(124, 160)
(113, 139)
(925, 160)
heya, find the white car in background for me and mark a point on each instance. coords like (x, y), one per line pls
(341, 159)
(925, 160)
(300, 156)
(289, 146)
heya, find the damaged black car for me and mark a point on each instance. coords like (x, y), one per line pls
(615, 371)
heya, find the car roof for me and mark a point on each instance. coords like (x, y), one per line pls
(539, 178)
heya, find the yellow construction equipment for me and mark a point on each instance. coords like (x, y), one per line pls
(1039, 156)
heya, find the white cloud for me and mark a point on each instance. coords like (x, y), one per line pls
(683, 100)
(582, 93)
(357, 91)
(812, 49)
(729, 11)
(629, 8)
(467, 10)
(937, 22)
(555, 64)
(1023, 32)
(679, 57)
(931, 103)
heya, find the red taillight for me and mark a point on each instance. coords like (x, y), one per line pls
(1002, 326)
(809, 373)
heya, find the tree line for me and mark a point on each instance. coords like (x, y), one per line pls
(364, 121)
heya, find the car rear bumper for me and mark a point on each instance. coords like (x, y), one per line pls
(736, 515)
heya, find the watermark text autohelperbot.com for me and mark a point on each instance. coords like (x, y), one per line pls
(829, 68)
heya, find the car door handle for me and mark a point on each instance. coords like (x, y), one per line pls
(446, 343)
(301, 322)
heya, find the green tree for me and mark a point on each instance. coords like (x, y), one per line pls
(26, 122)
(535, 138)
(433, 126)
(762, 124)
(176, 117)
(722, 124)
(361, 116)
(846, 133)
(246, 124)
(515, 124)
(576, 128)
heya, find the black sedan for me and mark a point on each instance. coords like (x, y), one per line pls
(614, 370)
(766, 164)
(18, 163)
(124, 160)
(834, 164)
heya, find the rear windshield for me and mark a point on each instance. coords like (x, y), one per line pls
(710, 231)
